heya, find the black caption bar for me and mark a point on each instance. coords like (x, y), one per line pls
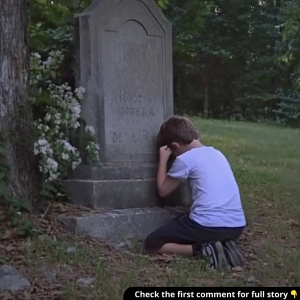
(211, 293)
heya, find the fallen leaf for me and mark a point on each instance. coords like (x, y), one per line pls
(56, 294)
(164, 258)
(10, 248)
(6, 296)
(9, 234)
(33, 290)
(27, 295)
(293, 223)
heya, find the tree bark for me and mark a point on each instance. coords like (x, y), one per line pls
(15, 110)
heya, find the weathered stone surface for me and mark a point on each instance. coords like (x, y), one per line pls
(118, 225)
(124, 193)
(125, 65)
(12, 279)
(125, 52)
(116, 172)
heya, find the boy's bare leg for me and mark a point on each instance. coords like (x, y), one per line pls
(171, 248)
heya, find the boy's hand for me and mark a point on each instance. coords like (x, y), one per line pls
(164, 153)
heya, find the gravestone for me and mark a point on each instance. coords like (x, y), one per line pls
(125, 65)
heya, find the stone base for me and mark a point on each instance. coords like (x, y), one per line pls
(118, 225)
(122, 193)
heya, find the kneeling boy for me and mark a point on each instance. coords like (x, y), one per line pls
(216, 217)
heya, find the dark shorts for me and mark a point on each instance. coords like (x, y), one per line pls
(183, 230)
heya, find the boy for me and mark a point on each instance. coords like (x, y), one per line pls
(216, 216)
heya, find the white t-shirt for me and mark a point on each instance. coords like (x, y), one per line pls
(213, 188)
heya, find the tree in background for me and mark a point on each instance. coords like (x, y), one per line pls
(289, 105)
(223, 59)
(232, 59)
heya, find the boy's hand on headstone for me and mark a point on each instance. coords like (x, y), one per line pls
(164, 153)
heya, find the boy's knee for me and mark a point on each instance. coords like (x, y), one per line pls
(159, 237)
(153, 242)
(149, 243)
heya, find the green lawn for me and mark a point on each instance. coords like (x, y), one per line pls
(266, 162)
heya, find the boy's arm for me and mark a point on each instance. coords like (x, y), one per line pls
(165, 184)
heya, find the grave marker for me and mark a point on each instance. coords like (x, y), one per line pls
(125, 65)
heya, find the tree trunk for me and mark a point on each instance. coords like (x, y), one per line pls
(15, 110)
(206, 100)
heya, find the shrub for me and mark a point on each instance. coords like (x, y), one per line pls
(57, 121)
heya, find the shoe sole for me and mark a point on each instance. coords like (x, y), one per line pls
(233, 255)
(210, 256)
(216, 261)
(222, 261)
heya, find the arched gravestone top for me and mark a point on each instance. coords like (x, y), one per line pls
(106, 7)
(125, 64)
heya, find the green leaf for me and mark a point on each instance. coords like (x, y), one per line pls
(2, 260)
(2, 174)
(21, 204)
(3, 135)
(45, 193)
(3, 151)
(26, 205)
(4, 190)
(50, 187)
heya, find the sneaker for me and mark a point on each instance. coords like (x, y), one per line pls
(215, 255)
(233, 254)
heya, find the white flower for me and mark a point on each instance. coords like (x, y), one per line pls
(75, 109)
(48, 117)
(67, 146)
(43, 147)
(42, 142)
(90, 130)
(36, 56)
(79, 92)
(93, 145)
(76, 125)
(57, 118)
(65, 156)
(52, 164)
(53, 176)
(48, 62)
(76, 163)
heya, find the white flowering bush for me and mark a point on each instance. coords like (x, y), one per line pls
(57, 111)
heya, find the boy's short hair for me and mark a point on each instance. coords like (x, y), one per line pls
(177, 130)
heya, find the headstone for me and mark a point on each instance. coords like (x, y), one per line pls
(125, 65)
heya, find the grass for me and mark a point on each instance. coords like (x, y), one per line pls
(266, 162)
